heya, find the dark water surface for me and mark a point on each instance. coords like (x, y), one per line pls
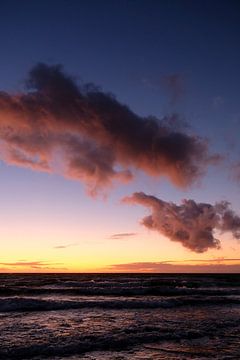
(119, 316)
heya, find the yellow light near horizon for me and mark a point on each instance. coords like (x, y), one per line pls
(93, 253)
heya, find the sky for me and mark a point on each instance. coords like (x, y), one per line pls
(119, 146)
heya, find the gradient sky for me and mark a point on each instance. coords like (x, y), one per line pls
(159, 58)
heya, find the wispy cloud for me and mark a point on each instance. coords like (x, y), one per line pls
(235, 172)
(31, 265)
(98, 139)
(209, 266)
(218, 101)
(215, 260)
(192, 224)
(122, 235)
(172, 84)
(65, 246)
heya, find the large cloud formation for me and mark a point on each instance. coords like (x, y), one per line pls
(192, 224)
(86, 134)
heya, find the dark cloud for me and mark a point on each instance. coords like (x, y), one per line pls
(192, 224)
(86, 134)
(171, 267)
(122, 235)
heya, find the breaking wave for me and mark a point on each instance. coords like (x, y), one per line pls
(22, 304)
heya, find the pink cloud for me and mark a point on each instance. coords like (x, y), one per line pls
(172, 267)
(192, 224)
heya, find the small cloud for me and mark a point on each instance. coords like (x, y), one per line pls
(174, 84)
(65, 246)
(122, 235)
(215, 260)
(235, 172)
(217, 102)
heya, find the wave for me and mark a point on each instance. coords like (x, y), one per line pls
(79, 280)
(119, 284)
(117, 291)
(21, 304)
(114, 341)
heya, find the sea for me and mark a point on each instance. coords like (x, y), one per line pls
(120, 316)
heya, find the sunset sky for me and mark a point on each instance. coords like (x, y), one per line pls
(119, 136)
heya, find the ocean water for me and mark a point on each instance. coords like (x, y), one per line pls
(119, 316)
